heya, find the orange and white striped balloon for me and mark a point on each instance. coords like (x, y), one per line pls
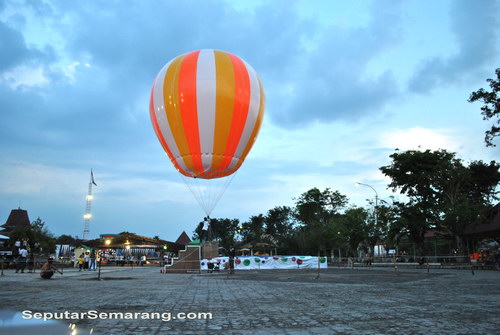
(206, 107)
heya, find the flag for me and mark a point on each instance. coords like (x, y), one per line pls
(92, 177)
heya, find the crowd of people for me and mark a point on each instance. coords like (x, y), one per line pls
(23, 259)
(86, 261)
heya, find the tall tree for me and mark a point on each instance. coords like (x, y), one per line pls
(352, 228)
(378, 231)
(252, 230)
(416, 174)
(467, 193)
(279, 227)
(443, 192)
(316, 211)
(491, 107)
(315, 206)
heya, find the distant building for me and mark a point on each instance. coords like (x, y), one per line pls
(129, 244)
(18, 218)
(183, 239)
(488, 228)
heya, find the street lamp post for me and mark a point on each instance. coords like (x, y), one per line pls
(376, 202)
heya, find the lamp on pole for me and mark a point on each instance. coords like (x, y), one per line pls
(376, 200)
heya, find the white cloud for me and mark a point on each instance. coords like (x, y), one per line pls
(319, 144)
(71, 69)
(418, 138)
(25, 76)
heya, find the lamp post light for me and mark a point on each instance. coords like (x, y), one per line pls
(375, 214)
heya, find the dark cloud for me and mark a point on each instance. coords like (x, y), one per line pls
(332, 85)
(13, 49)
(106, 107)
(474, 23)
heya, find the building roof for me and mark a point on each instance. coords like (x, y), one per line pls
(489, 228)
(18, 218)
(133, 240)
(183, 239)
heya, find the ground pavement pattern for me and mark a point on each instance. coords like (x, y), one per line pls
(341, 301)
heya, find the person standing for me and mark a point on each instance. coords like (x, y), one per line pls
(232, 256)
(92, 264)
(204, 229)
(86, 259)
(74, 260)
(21, 260)
(31, 263)
(81, 260)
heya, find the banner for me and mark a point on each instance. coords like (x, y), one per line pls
(267, 263)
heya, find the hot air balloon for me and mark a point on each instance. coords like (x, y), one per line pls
(206, 108)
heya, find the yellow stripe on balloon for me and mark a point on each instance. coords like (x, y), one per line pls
(171, 96)
(225, 87)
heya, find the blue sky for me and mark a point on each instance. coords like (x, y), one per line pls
(346, 83)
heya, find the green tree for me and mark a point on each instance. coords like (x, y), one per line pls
(379, 231)
(413, 222)
(491, 107)
(279, 228)
(352, 229)
(315, 206)
(37, 235)
(443, 192)
(252, 230)
(316, 212)
(417, 174)
(467, 193)
(66, 239)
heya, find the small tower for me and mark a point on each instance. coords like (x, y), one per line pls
(88, 208)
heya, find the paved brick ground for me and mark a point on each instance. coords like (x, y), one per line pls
(341, 301)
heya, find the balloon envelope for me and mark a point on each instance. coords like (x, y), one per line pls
(206, 107)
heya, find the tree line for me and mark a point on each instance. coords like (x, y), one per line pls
(442, 193)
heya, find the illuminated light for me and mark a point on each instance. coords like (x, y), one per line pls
(127, 247)
(107, 242)
(90, 197)
(87, 216)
